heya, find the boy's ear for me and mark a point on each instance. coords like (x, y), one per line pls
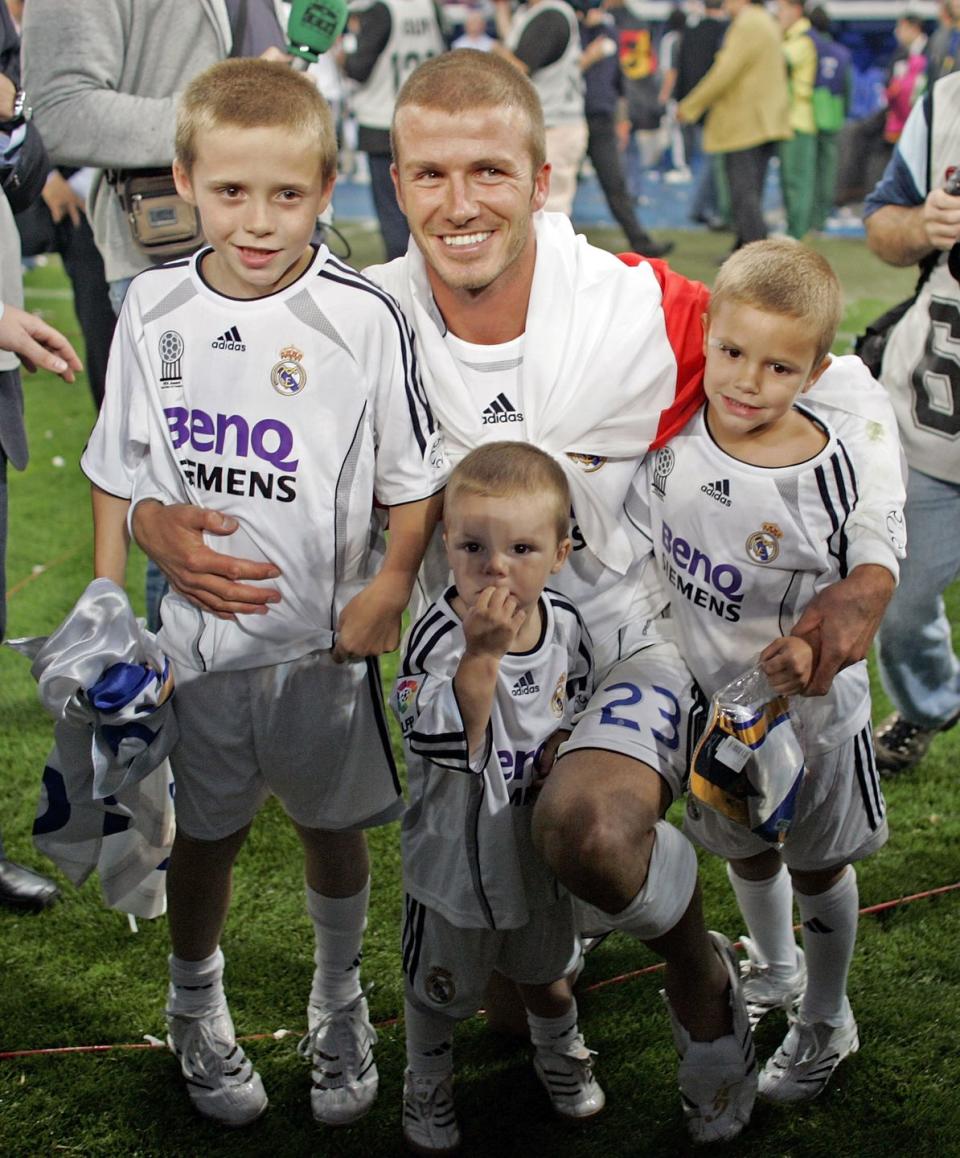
(181, 178)
(327, 194)
(815, 375)
(563, 550)
(705, 319)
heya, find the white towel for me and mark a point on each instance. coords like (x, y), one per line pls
(597, 372)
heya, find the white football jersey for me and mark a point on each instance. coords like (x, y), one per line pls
(415, 36)
(742, 549)
(292, 413)
(467, 851)
(559, 85)
(606, 600)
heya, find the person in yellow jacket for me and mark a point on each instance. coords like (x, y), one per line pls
(745, 97)
(798, 154)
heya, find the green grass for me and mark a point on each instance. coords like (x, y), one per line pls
(77, 976)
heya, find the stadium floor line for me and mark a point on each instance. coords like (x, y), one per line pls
(156, 1043)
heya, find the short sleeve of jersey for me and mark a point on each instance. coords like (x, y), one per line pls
(684, 303)
(410, 460)
(121, 436)
(904, 181)
(424, 700)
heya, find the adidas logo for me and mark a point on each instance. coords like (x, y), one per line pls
(525, 685)
(501, 409)
(719, 490)
(231, 340)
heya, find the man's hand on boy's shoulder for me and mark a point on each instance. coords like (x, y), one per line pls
(840, 622)
(172, 535)
(370, 623)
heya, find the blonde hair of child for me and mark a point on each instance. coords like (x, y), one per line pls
(504, 470)
(785, 277)
(464, 80)
(250, 93)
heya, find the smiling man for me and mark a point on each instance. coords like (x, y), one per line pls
(525, 330)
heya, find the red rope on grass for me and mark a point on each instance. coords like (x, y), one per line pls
(870, 910)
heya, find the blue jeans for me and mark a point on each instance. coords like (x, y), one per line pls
(918, 666)
(156, 583)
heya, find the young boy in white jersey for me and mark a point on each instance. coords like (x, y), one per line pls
(268, 381)
(747, 509)
(490, 672)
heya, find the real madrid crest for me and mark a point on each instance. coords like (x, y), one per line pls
(440, 986)
(763, 546)
(288, 376)
(557, 702)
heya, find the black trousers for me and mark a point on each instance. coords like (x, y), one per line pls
(393, 224)
(605, 157)
(746, 174)
(84, 266)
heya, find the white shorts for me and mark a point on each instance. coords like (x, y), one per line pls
(447, 968)
(312, 733)
(647, 707)
(840, 814)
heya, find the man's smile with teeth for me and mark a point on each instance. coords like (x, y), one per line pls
(456, 239)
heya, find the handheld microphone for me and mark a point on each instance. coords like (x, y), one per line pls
(313, 27)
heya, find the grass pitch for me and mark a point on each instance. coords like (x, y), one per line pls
(76, 975)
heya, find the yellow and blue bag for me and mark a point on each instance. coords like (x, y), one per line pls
(749, 763)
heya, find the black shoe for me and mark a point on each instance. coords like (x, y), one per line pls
(22, 888)
(651, 248)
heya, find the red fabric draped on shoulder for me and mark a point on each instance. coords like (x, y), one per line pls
(684, 304)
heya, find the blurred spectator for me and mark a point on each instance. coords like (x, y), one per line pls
(698, 47)
(831, 103)
(39, 344)
(56, 223)
(641, 83)
(943, 50)
(106, 78)
(744, 94)
(908, 75)
(543, 41)
(911, 218)
(392, 38)
(601, 71)
(475, 33)
(670, 43)
(798, 152)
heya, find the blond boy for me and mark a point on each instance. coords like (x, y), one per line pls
(492, 671)
(272, 383)
(749, 507)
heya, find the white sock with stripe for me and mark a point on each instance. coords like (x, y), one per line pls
(767, 908)
(829, 935)
(195, 985)
(338, 925)
(429, 1037)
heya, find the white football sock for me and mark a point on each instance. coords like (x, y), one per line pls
(829, 935)
(338, 925)
(195, 985)
(429, 1040)
(556, 1034)
(767, 908)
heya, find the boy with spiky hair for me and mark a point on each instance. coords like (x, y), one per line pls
(491, 671)
(273, 383)
(743, 554)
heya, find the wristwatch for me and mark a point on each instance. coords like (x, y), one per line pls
(22, 112)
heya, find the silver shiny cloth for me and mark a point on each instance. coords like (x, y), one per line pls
(106, 801)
